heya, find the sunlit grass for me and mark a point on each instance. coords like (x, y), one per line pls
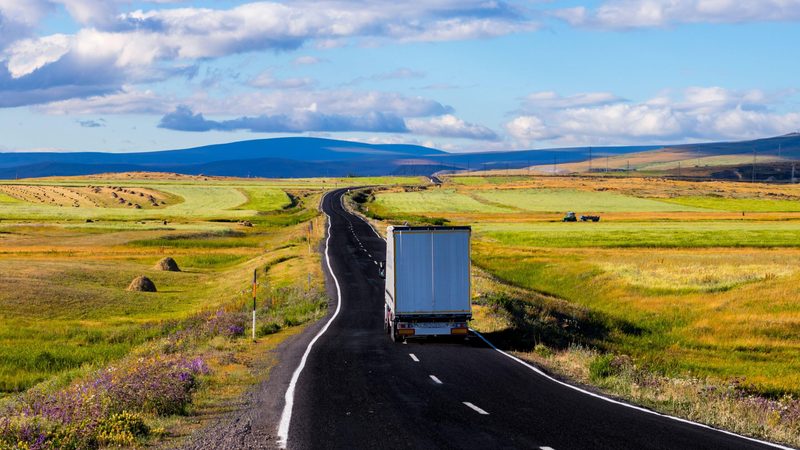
(562, 200)
(738, 204)
(265, 199)
(644, 234)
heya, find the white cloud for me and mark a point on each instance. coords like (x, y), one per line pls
(127, 101)
(271, 102)
(698, 113)
(402, 73)
(25, 56)
(307, 60)
(268, 81)
(529, 129)
(18, 19)
(551, 100)
(451, 126)
(138, 46)
(628, 14)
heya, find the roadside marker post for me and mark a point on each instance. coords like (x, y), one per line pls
(255, 283)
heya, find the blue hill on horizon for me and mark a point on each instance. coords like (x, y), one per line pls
(313, 157)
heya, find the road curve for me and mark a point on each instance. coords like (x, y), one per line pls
(359, 390)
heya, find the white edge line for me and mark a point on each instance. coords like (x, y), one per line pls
(365, 221)
(478, 410)
(435, 380)
(414, 357)
(286, 415)
(627, 405)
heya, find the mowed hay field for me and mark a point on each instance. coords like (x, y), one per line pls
(63, 291)
(69, 249)
(689, 279)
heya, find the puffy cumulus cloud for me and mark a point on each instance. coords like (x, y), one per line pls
(529, 129)
(450, 126)
(380, 113)
(629, 14)
(18, 19)
(147, 45)
(697, 113)
(183, 119)
(28, 55)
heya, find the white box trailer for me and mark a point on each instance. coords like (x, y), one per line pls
(427, 281)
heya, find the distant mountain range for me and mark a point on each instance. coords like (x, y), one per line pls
(312, 157)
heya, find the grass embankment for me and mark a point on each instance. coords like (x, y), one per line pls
(67, 316)
(675, 299)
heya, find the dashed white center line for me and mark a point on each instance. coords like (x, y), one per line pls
(414, 357)
(435, 380)
(546, 448)
(478, 410)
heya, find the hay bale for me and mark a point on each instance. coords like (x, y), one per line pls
(168, 264)
(142, 284)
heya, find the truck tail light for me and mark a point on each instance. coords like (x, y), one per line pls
(405, 331)
(459, 330)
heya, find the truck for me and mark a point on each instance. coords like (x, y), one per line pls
(427, 273)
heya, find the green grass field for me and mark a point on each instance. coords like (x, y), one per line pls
(435, 201)
(560, 200)
(533, 200)
(264, 199)
(644, 234)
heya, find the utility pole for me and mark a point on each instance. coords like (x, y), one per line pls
(792, 173)
(555, 162)
(590, 159)
(753, 180)
(606, 163)
(628, 169)
(779, 151)
(679, 169)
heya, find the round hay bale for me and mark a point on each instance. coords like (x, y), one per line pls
(168, 264)
(142, 284)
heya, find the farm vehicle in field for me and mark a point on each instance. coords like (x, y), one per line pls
(571, 217)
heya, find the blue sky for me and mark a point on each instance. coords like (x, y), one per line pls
(468, 75)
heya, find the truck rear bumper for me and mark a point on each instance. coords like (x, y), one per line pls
(432, 329)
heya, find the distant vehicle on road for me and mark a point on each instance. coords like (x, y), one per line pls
(569, 217)
(590, 218)
(427, 275)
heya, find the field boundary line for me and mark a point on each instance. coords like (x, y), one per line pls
(625, 404)
(286, 415)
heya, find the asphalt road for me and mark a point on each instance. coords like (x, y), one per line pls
(359, 390)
